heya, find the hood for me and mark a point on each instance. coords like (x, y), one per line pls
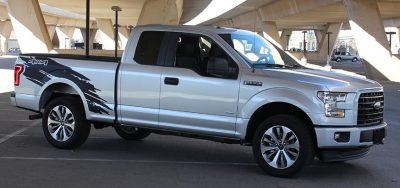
(333, 81)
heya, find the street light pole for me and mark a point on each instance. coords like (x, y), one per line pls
(390, 39)
(130, 28)
(87, 28)
(329, 49)
(304, 42)
(116, 9)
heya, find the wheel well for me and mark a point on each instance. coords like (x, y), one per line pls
(272, 109)
(56, 90)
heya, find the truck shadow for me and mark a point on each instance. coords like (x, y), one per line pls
(238, 158)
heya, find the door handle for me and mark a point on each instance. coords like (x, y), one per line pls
(171, 81)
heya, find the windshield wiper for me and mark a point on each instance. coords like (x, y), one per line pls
(274, 65)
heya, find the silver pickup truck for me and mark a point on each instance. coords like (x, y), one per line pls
(221, 84)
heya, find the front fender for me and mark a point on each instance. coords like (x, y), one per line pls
(308, 104)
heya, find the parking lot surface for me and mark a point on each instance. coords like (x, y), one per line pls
(105, 160)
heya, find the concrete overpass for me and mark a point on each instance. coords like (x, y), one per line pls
(366, 19)
(35, 22)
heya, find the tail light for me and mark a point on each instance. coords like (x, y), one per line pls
(18, 69)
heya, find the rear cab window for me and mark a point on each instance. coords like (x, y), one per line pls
(149, 47)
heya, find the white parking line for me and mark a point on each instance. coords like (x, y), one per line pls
(40, 136)
(127, 161)
(13, 110)
(15, 120)
(7, 137)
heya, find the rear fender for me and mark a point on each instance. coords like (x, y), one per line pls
(67, 82)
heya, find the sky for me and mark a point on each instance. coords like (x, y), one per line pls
(215, 9)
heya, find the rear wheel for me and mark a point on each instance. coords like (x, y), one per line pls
(131, 133)
(64, 123)
(338, 59)
(355, 59)
(283, 145)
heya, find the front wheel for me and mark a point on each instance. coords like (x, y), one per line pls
(131, 133)
(355, 59)
(338, 59)
(282, 145)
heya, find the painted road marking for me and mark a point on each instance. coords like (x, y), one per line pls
(13, 110)
(15, 120)
(9, 136)
(40, 136)
(128, 161)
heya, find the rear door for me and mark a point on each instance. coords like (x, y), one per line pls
(194, 97)
(140, 80)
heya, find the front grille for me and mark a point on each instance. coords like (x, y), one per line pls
(369, 113)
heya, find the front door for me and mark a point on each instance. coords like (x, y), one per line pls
(199, 87)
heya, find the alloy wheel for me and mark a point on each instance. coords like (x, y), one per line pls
(280, 147)
(61, 123)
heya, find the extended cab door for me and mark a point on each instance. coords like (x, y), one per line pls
(140, 79)
(199, 87)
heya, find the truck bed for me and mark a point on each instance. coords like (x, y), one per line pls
(76, 57)
(92, 78)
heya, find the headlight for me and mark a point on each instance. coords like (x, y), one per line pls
(330, 100)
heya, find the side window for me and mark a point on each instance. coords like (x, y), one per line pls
(148, 47)
(204, 56)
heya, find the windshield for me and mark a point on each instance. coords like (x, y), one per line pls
(256, 50)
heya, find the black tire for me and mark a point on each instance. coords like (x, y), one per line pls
(305, 141)
(81, 127)
(338, 59)
(354, 59)
(131, 133)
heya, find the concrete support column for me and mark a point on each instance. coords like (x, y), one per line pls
(106, 33)
(65, 35)
(320, 35)
(161, 12)
(29, 26)
(52, 30)
(398, 34)
(285, 38)
(92, 36)
(271, 32)
(5, 32)
(372, 44)
(334, 29)
(123, 37)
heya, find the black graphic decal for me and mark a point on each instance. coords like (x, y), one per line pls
(40, 70)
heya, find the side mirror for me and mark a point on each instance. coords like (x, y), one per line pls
(219, 67)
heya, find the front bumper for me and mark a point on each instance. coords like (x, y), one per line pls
(354, 136)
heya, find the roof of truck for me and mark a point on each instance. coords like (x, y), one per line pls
(214, 29)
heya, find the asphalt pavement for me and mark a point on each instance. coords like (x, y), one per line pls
(105, 160)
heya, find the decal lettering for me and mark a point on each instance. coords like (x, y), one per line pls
(35, 61)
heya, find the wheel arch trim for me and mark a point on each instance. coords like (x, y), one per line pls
(53, 82)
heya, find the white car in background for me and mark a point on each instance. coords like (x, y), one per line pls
(340, 56)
